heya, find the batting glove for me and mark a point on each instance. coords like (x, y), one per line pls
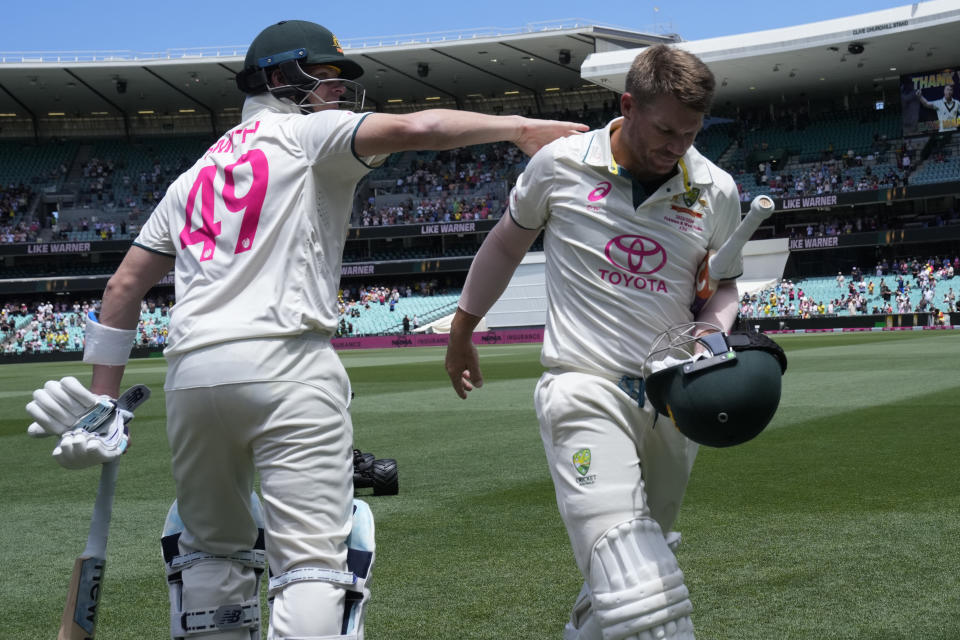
(58, 405)
(92, 429)
(80, 448)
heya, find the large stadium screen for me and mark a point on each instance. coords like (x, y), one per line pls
(929, 101)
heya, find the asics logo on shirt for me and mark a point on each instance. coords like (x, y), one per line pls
(603, 188)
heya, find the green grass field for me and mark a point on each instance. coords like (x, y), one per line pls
(840, 521)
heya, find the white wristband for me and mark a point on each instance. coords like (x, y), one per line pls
(107, 345)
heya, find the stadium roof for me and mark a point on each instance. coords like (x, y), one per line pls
(862, 53)
(413, 69)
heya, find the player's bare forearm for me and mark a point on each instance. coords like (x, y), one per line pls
(534, 134)
(463, 326)
(138, 273)
(106, 380)
(499, 256)
(462, 361)
(721, 309)
(120, 308)
(440, 129)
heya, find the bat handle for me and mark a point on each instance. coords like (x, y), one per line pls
(722, 262)
(102, 509)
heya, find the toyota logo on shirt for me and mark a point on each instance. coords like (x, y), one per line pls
(636, 254)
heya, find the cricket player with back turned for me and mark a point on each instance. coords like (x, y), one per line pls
(255, 231)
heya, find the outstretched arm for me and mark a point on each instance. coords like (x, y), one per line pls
(923, 100)
(440, 129)
(498, 257)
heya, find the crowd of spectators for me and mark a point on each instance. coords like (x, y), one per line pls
(353, 302)
(111, 183)
(440, 209)
(880, 163)
(154, 320)
(826, 177)
(44, 326)
(472, 182)
(856, 294)
(41, 326)
(826, 226)
(103, 229)
(836, 226)
(458, 170)
(461, 184)
(936, 267)
(98, 181)
(145, 189)
(785, 299)
(14, 227)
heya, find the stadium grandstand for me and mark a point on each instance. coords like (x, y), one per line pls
(824, 117)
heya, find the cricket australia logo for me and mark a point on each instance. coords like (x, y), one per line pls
(695, 205)
(581, 462)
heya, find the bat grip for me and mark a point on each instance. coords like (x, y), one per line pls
(721, 264)
(102, 509)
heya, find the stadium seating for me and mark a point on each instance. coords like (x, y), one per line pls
(66, 333)
(378, 319)
(932, 171)
(138, 168)
(33, 164)
(438, 183)
(835, 133)
(825, 289)
(715, 140)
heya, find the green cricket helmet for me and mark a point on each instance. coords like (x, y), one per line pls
(289, 46)
(726, 395)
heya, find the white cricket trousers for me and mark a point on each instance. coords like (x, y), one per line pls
(638, 465)
(277, 407)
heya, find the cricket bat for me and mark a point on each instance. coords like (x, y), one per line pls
(720, 265)
(80, 613)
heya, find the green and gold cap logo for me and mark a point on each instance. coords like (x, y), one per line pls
(581, 461)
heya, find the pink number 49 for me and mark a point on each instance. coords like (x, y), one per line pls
(250, 204)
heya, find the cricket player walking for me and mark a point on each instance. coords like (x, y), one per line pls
(628, 213)
(255, 231)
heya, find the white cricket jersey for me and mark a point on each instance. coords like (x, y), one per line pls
(947, 114)
(258, 225)
(618, 274)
